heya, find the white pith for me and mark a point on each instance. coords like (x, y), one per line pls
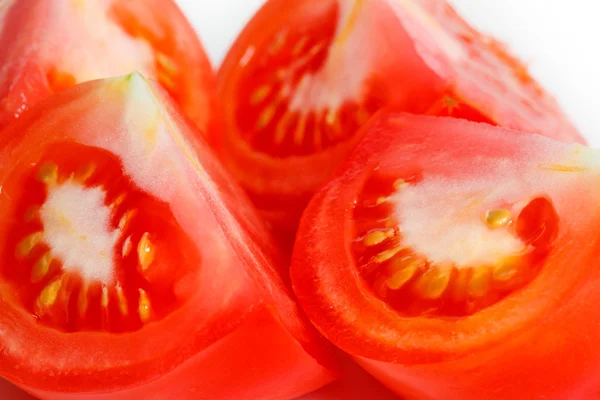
(333, 84)
(78, 231)
(4, 7)
(444, 222)
(109, 51)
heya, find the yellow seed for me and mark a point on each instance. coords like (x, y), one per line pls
(299, 46)
(330, 117)
(278, 42)
(118, 201)
(125, 219)
(85, 173)
(127, 246)
(402, 276)
(381, 200)
(480, 282)
(377, 237)
(27, 244)
(260, 94)
(316, 49)
(506, 270)
(104, 299)
(562, 168)
(82, 301)
(167, 63)
(387, 254)
(49, 295)
(48, 173)
(144, 307)
(282, 127)
(122, 301)
(498, 218)
(400, 184)
(145, 251)
(300, 130)
(434, 283)
(266, 116)
(41, 267)
(32, 213)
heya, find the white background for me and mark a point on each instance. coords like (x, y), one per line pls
(557, 38)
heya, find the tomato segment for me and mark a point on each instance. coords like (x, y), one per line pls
(304, 76)
(86, 40)
(451, 259)
(132, 266)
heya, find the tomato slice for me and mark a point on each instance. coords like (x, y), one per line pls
(304, 76)
(457, 260)
(85, 40)
(131, 265)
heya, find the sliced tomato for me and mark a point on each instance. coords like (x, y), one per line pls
(46, 46)
(131, 265)
(305, 75)
(456, 260)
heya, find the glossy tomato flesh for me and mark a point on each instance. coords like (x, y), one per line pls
(458, 260)
(85, 40)
(132, 266)
(304, 76)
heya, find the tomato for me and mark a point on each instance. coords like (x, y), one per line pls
(457, 260)
(305, 75)
(131, 265)
(46, 46)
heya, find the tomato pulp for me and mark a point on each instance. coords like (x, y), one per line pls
(132, 267)
(46, 46)
(455, 259)
(305, 75)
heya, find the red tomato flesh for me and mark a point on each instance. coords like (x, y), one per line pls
(454, 259)
(131, 265)
(85, 40)
(304, 76)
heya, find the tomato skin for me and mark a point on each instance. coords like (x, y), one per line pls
(539, 342)
(26, 75)
(414, 77)
(239, 318)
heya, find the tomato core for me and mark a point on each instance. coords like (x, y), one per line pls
(88, 249)
(413, 283)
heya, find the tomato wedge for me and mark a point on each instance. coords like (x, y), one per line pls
(305, 75)
(457, 260)
(132, 267)
(46, 46)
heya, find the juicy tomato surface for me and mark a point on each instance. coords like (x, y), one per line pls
(131, 265)
(46, 46)
(305, 75)
(458, 260)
